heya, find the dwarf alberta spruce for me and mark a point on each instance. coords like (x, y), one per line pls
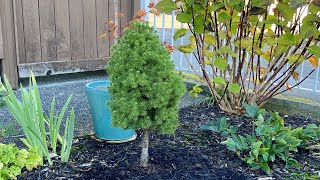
(12, 160)
(145, 88)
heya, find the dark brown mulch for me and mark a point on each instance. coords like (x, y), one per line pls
(190, 154)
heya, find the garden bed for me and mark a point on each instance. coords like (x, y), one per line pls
(190, 154)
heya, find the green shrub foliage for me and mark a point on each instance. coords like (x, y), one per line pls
(145, 87)
(270, 141)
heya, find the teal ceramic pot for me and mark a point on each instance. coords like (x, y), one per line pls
(98, 95)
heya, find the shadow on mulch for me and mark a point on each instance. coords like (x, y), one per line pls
(190, 154)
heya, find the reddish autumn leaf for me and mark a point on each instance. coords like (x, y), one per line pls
(140, 14)
(151, 5)
(169, 47)
(314, 61)
(155, 12)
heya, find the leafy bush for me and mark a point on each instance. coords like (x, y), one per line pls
(271, 139)
(235, 40)
(12, 160)
(145, 88)
(30, 116)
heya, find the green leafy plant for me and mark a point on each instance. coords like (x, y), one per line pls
(249, 49)
(31, 117)
(145, 88)
(220, 126)
(12, 160)
(271, 140)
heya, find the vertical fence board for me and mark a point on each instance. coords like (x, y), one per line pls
(62, 27)
(90, 28)
(9, 62)
(76, 29)
(1, 42)
(102, 27)
(47, 30)
(31, 30)
(17, 4)
(126, 9)
(111, 18)
(136, 6)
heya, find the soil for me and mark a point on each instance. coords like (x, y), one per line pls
(189, 154)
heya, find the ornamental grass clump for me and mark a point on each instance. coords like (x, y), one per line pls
(145, 88)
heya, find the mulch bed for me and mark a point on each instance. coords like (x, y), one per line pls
(189, 154)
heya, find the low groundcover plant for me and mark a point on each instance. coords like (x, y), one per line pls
(12, 160)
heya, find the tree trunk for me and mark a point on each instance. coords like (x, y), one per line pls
(145, 146)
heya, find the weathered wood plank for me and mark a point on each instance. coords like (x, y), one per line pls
(136, 6)
(47, 30)
(1, 42)
(62, 29)
(102, 27)
(111, 18)
(9, 62)
(126, 9)
(90, 29)
(31, 30)
(61, 67)
(76, 29)
(20, 43)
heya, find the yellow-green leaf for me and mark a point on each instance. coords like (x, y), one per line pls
(219, 81)
(220, 63)
(296, 58)
(287, 39)
(315, 50)
(181, 32)
(223, 17)
(166, 6)
(184, 17)
(235, 88)
(210, 39)
(185, 48)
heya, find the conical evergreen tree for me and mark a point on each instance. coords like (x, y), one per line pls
(145, 88)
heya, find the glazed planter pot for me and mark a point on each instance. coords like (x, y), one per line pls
(98, 95)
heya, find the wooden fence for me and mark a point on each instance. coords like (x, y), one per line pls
(56, 36)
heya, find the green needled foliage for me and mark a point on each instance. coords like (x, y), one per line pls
(145, 88)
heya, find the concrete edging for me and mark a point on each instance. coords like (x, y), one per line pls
(287, 105)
